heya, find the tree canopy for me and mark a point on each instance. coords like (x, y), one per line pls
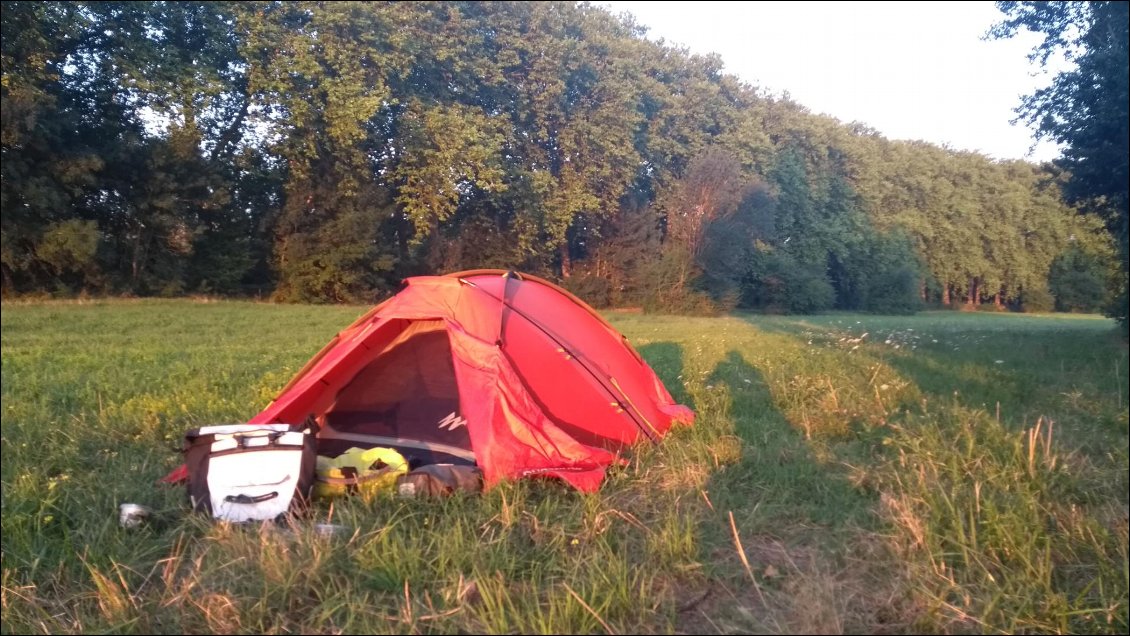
(322, 151)
(1086, 108)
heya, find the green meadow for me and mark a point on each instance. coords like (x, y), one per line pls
(945, 472)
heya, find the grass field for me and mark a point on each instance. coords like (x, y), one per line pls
(942, 473)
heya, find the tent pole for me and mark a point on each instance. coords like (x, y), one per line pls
(620, 400)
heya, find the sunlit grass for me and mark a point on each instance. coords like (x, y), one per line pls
(942, 472)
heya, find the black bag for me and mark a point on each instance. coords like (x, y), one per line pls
(246, 472)
(436, 480)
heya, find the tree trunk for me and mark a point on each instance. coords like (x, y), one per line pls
(189, 113)
(997, 299)
(135, 265)
(566, 263)
(8, 285)
(226, 143)
(946, 294)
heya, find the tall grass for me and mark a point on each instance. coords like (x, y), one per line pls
(944, 473)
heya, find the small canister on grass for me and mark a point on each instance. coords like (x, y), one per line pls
(132, 515)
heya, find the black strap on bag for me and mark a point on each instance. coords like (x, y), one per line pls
(352, 480)
(244, 499)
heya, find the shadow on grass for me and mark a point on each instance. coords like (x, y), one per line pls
(1069, 371)
(788, 325)
(1076, 381)
(793, 508)
(778, 482)
(764, 461)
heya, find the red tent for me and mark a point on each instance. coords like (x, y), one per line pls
(505, 370)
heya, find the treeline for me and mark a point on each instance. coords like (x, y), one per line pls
(322, 151)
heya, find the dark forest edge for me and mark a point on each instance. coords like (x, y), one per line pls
(321, 152)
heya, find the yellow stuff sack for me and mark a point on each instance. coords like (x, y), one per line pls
(365, 471)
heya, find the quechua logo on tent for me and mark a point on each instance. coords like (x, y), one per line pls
(452, 422)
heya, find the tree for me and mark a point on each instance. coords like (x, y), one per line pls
(49, 158)
(323, 151)
(1086, 108)
(1077, 281)
(711, 190)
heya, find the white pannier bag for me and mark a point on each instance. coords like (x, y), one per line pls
(250, 472)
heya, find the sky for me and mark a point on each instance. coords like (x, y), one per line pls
(911, 70)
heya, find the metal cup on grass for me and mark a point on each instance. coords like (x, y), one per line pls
(132, 515)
